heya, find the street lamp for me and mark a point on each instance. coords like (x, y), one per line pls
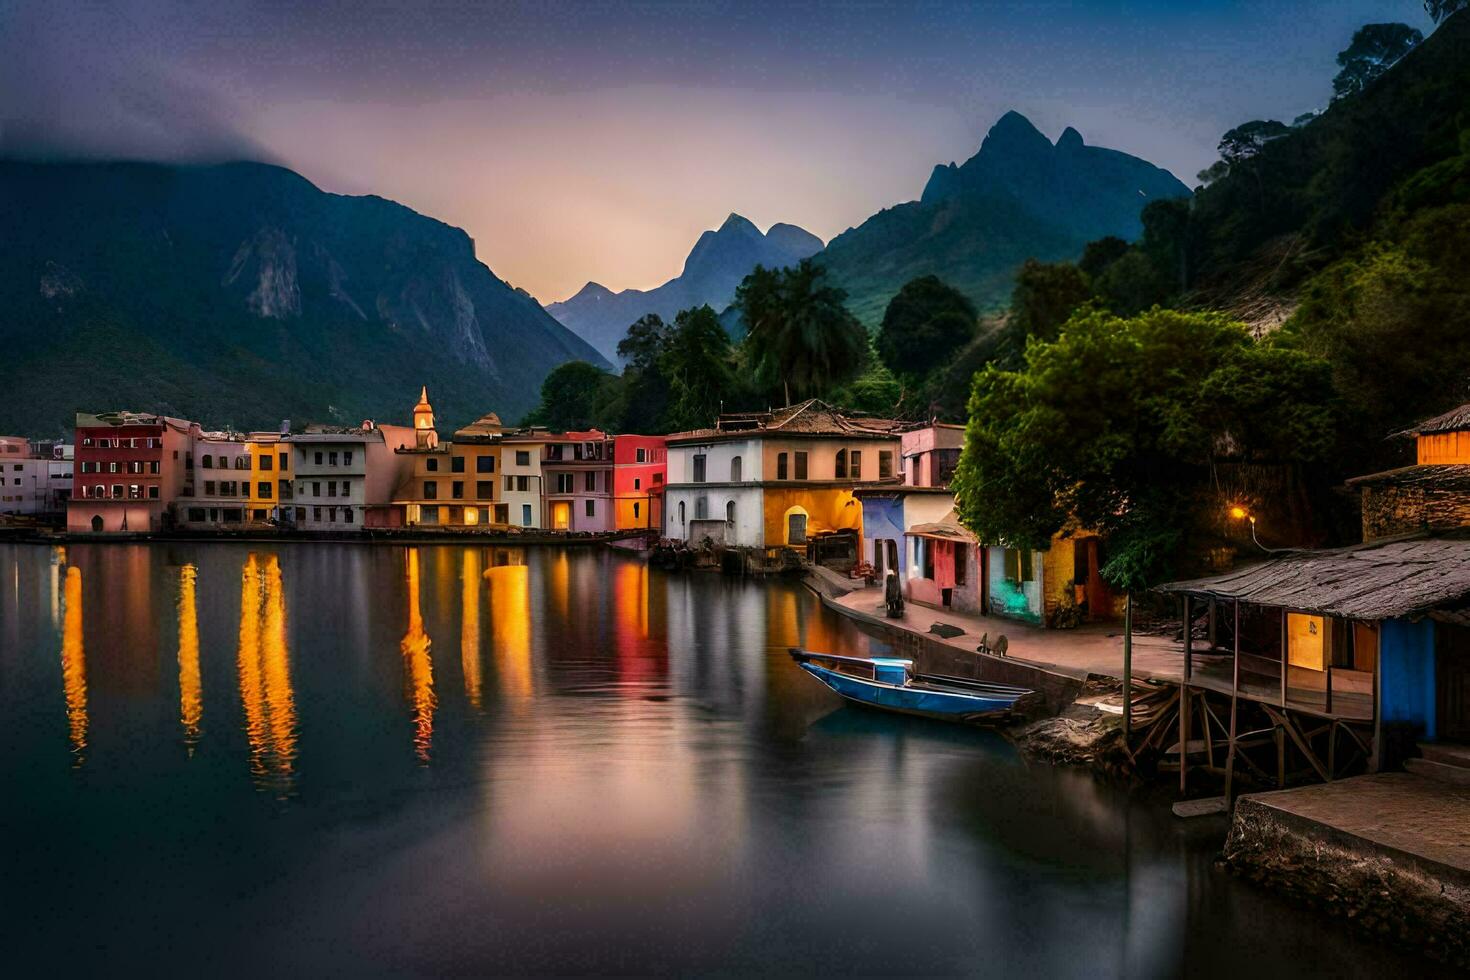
(1238, 512)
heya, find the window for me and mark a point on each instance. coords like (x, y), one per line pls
(525, 515)
(642, 455)
(316, 488)
(135, 491)
(331, 488)
(735, 468)
(206, 461)
(523, 483)
(699, 468)
(855, 464)
(301, 515)
(591, 508)
(316, 512)
(484, 489)
(188, 460)
(209, 488)
(729, 512)
(456, 464)
(431, 490)
(196, 514)
(801, 466)
(781, 466)
(318, 462)
(266, 462)
(510, 484)
(796, 526)
(346, 488)
(961, 559)
(840, 468)
(484, 464)
(86, 440)
(658, 478)
(502, 513)
(681, 512)
(347, 457)
(456, 489)
(263, 491)
(635, 510)
(347, 515)
(523, 457)
(564, 483)
(701, 508)
(117, 491)
(885, 464)
(590, 482)
(431, 464)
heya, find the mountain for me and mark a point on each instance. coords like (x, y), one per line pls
(1019, 197)
(715, 266)
(240, 294)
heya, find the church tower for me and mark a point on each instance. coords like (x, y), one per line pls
(423, 422)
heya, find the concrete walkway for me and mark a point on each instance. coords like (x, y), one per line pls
(1081, 651)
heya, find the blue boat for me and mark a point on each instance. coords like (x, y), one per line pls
(892, 685)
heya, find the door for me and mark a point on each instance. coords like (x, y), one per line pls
(1452, 682)
(561, 516)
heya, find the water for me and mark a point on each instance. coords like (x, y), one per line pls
(229, 759)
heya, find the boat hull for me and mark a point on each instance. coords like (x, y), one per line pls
(920, 702)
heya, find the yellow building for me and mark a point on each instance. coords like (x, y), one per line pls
(269, 497)
(449, 484)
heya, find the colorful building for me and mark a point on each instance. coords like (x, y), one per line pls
(475, 460)
(640, 467)
(271, 491)
(778, 478)
(521, 479)
(35, 478)
(216, 493)
(129, 469)
(577, 473)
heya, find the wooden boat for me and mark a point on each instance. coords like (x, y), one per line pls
(892, 685)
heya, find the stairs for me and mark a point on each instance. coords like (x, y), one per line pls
(1444, 761)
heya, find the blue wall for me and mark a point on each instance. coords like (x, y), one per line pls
(883, 518)
(1407, 652)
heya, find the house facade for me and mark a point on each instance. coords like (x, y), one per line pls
(1431, 496)
(35, 479)
(129, 469)
(270, 485)
(329, 476)
(521, 482)
(577, 470)
(775, 479)
(640, 469)
(217, 491)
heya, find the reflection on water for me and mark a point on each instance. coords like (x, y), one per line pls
(469, 630)
(74, 665)
(636, 780)
(265, 676)
(191, 696)
(418, 669)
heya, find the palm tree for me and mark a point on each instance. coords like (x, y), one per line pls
(799, 331)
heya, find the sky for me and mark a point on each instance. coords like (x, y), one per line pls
(596, 140)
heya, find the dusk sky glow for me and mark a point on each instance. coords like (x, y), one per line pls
(595, 141)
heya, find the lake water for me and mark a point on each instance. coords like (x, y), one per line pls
(354, 759)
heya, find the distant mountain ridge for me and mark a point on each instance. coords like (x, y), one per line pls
(1020, 196)
(240, 294)
(716, 264)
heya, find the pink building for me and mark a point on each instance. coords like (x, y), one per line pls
(576, 472)
(640, 468)
(929, 455)
(128, 470)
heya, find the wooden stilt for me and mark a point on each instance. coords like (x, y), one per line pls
(1127, 666)
(1234, 709)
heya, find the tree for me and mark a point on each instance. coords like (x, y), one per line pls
(800, 336)
(925, 323)
(1114, 427)
(571, 397)
(1212, 173)
(1245, 141)
(875, 390)
(1441, 9)
(1374, 49)
(697, 365)
(1045, 297)
(645, 386)
(1098, 255)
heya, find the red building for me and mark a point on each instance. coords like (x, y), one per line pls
(129, 468)
(640, 467)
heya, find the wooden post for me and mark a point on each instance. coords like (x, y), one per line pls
(1186, 704)
(1375, 762)
(1284, 658)
(1234, 701)
(1214, 639)
(1127, 666)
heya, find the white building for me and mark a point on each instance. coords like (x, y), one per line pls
(216, 486)
(521, 488)
(35, 479)
(330, 489)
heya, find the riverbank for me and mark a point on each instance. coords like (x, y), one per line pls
(416, 535)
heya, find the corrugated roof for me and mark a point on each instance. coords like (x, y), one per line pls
(1455, 420)
(1382, 580)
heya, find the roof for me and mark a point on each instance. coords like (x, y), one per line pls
(895, 488)
(1442, 476)
(947, 528)
(812, 417)
(1455, 420)
(484, 429)
(1382, 580)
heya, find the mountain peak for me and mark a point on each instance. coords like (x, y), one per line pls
(1014, 133)
(737, 222)
(1070, 140)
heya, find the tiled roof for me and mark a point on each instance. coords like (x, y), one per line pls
(1451, 476)
(1455, 420)
(811, 417)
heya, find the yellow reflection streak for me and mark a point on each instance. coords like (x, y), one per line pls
(469, 630)
(510, 622)
(58, 562)
(74, 665)
(191, 698)
(265, 676)
(418, 668)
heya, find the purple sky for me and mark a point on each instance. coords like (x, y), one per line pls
(596, 140)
